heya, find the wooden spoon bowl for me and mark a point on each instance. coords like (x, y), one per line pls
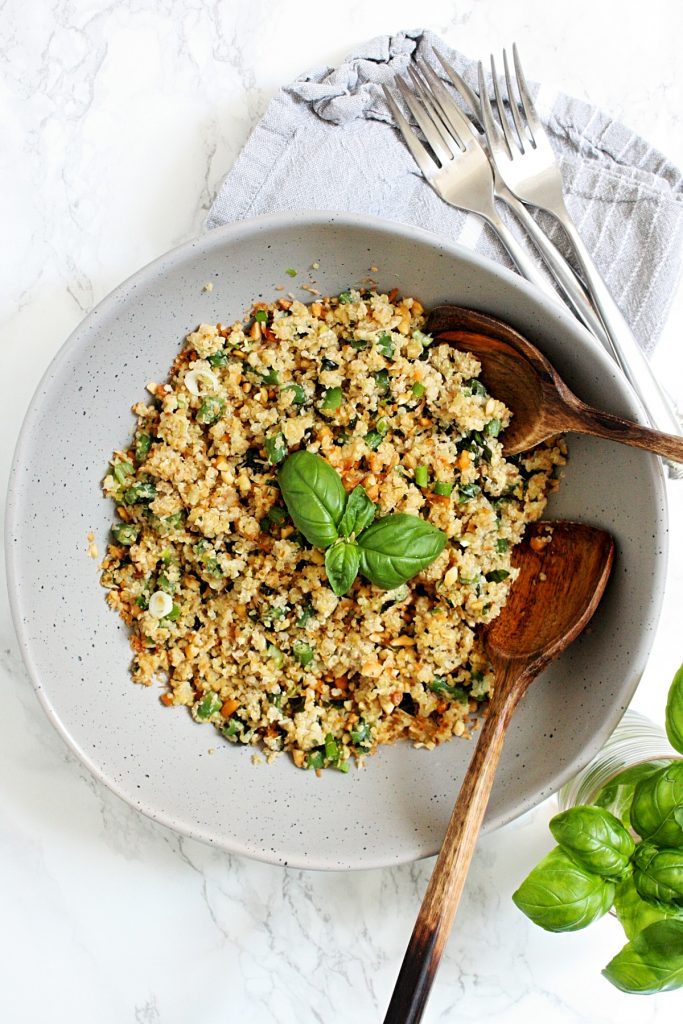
(563, 571)
(541, 403)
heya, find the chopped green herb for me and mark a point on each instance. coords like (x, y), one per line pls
(261, 316)
(142, 601)
(163, 583)
(307, 613)
(345, 297)
(475, 387)
(174, 521)
(358, 343)
(331, 748)
(276, 655)
(421, 476)
(332, 399)
(468, 491)
(276, 448)
(274, 518)
(492, 428)
(174, 613)
(303, 653)
(424, 339)
(315, 760)
(374, 439)
(443, 488)
(144, 490)
(290, 271)
(439, 685)
(122, 470)
(125, 533)
(502, 545)
(382, 426)
(300, 396)
(143, 444)
(218, 359)
(208, 705)
(382, 381)
(418, 389)
(328, 364)
(386, 346)
(210, 410)
(497, 575)
(361, 734)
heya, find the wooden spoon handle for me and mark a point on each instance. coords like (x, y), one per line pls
(613, 428)
(445, 887)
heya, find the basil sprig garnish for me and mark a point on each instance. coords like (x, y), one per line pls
(632, 858)
(387, 552)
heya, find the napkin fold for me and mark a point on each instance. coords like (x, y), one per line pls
(327, 141)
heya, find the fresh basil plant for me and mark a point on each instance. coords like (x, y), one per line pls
(633, 862)
(388, 552)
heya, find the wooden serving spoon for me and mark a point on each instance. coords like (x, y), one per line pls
(563, 570)
(541, 403)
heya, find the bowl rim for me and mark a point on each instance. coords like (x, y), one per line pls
(206, 242)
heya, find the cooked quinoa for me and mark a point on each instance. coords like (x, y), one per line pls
(230, 609)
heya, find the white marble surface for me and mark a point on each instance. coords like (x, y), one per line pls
(118, 122)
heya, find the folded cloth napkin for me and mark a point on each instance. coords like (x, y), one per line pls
(327, 141)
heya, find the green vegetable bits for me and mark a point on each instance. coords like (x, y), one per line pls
(598, 863)
(387, 552)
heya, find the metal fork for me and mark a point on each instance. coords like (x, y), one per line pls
(526, 163)
(460, 171)
(564, 275)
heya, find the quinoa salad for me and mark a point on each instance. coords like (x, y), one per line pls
(230, 610)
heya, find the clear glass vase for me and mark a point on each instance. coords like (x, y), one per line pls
(635, 741)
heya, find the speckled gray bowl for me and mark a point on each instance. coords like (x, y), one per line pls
(77, 651)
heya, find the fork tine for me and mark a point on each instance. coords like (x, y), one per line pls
(432, 107)
(493, 132)
(468, 95)
(420, 154)
(512, 102)
(532, 117)
(502, 116)
(452, 113)
(425, 122)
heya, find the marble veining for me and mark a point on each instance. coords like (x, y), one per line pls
(119, 122)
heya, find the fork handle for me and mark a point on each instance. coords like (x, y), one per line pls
(519, 256)
(558, 266)
(629, 355)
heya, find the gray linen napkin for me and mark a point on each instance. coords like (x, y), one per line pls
(327, 141)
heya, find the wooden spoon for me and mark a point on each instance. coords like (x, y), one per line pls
(541, 403)
(563, 570)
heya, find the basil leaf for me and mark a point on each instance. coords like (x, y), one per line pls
(341, 565)
(651, 962)
(314, 496)
(561, 896)
(617, 795)
(674, 712)
(655, 801)
(595, 839)
(358, 514)
(635, 913)
(658, 874)
(397, 547)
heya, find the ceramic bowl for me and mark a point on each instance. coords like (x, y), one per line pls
(76, 649)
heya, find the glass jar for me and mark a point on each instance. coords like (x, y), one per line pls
(635, 741)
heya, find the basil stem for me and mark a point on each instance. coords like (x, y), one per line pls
(342, 561)
(397, 547)
(314, 496)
